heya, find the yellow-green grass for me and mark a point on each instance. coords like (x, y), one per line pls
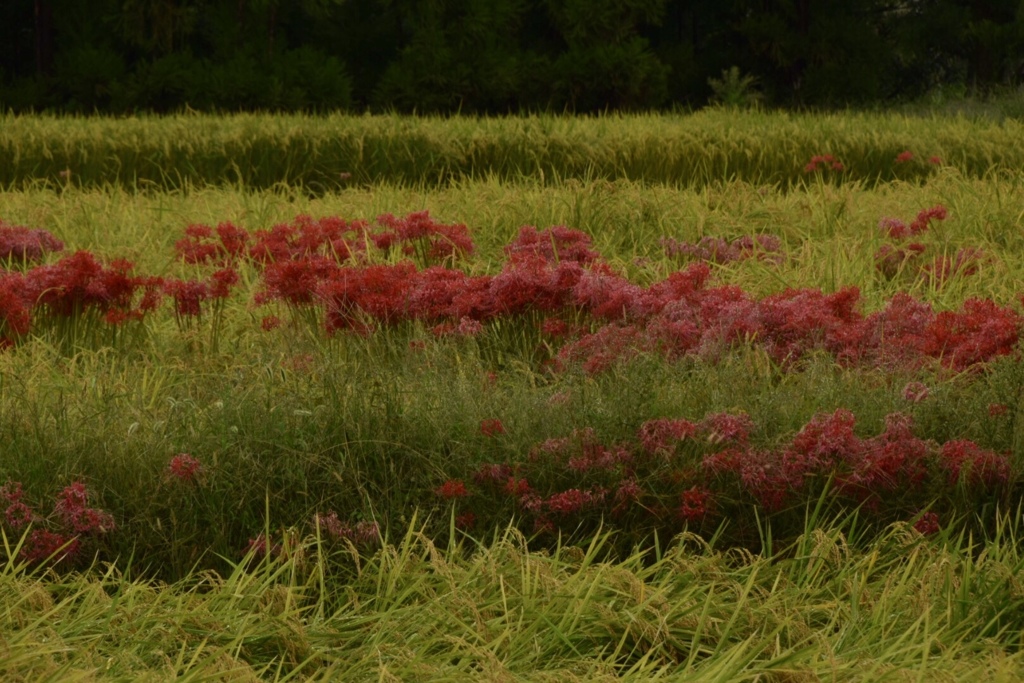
(327, 153)
(832, 606)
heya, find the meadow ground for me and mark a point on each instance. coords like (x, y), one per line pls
(741, 427)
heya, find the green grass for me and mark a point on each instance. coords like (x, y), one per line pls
(313, 153)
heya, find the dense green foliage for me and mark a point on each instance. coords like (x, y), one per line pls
(495, 56)
(338, 152)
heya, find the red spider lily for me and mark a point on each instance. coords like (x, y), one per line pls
(967, 463)
(928, 524)
(600, 458)
(72, 510)
(468, 327)
(11, 491)
(627, 494)
(197, 245)
(660, 437)
(694, 504)
(727, 428)
(15, 307)
(221, 282)
(419, 234)
(451, 489)
(554, 327)
(21, 244)
(893, 460)
(365, 533)
(904, 157)
(330, 525)
(258, 548)
(517, 487)
(897, 229)
(270, 322)
(19, 515)
(827, 439)
(440, 294)
(573, 500)
(891, 260)
(466, 521)
(353, 296)
(295, 281)
(360, 534)
(184, 467)
(332, 238)
(492, 474)
(965, 263)
(821, 162)
(607, 295)
(554, 245)
(998, 409)
(981, 331)
(529, 282)
(188, 296)
(43, 545)
(894, 335)
(924, 218)
(79, 282)
(491, 427)
(597, 352)
(718, 250)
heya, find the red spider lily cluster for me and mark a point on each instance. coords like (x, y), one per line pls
(823, 162)
(327, 528)
(62, 536)
(900, 258)
(907, 157)
(414, 236)
(491, 427)
(453, 488)
(697, 472)
(359, 534)
(20, 245)
(553, 286)
(719, 250)
(184, 468)
(76, 287)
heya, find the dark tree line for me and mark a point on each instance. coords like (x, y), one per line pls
(494, 56)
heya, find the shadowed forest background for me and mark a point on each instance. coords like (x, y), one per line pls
(501, 56)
